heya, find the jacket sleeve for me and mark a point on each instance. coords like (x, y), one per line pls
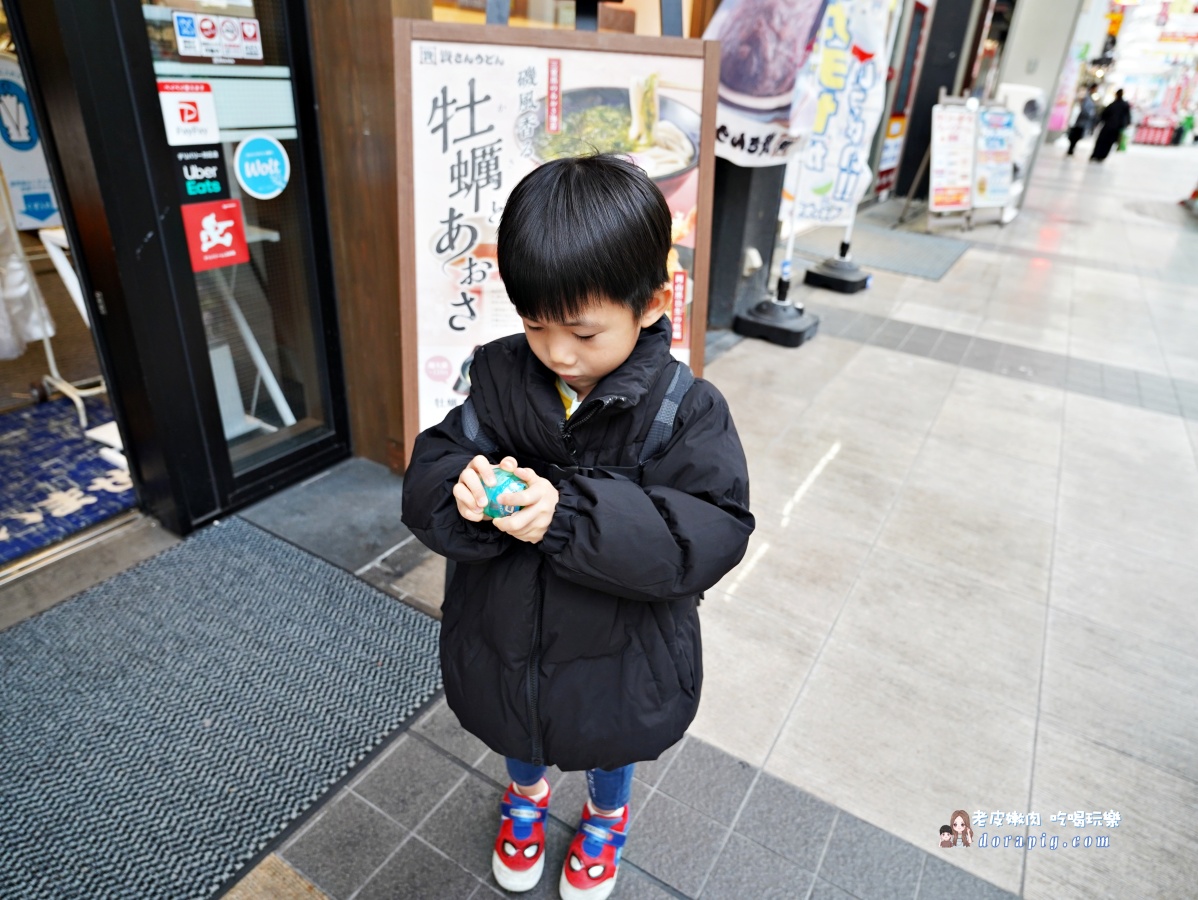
(429, 508)
(674, 535)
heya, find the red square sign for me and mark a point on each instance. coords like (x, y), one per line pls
(215, 234)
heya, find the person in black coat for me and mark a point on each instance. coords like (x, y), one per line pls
(1114, 119)
(570, 629)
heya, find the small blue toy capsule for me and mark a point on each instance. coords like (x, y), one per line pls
(505, 483)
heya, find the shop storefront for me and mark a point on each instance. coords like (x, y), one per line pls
(181, 143)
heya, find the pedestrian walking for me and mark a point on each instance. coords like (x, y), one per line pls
(1115, 118)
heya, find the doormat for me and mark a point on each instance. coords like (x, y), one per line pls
(53, 481)
(923, 255)
(161, 728)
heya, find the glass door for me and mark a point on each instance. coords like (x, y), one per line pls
(228, 98)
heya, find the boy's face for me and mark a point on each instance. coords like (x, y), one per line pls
(596, 343)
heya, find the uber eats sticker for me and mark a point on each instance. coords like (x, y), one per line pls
(202, 174)
(262, 167)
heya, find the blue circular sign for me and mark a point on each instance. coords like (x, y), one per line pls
(16, 116)
(262, 167)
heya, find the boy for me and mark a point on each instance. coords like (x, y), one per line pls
(570, 633)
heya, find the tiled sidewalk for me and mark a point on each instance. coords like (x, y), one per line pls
(420, 822)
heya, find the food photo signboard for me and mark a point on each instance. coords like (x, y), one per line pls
(480, 107)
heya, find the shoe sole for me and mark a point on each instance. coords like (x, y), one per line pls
(511, 880)
(598, 892)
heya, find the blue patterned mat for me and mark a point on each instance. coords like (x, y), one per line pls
(159, 729)
(54, 481)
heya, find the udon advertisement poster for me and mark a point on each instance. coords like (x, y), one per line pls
(484, 116)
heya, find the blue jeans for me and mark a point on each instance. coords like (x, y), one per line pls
(608, 789)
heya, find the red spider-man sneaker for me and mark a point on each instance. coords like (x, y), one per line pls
(519, 856)
(593, 860)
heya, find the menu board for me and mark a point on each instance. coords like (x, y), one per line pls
(994, 167)
(954, 132)
(482, 107)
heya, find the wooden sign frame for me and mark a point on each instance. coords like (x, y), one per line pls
(405, 32)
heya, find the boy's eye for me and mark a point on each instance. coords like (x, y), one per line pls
(533, 327)
(584, 337)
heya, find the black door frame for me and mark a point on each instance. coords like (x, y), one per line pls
(91, 79)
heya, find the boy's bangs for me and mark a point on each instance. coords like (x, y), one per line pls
(580, 231)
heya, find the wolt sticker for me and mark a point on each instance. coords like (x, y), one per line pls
(262, 167)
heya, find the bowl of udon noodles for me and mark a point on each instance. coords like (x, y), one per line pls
(658, 133)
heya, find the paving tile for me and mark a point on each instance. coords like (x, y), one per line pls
(344, 846)
(1124, 692)
(463, 827)
(872, 737)
(359, 503)
(952, 347)
(746, 869)
(709, 780)
(418, 870)
(788, 821)
(632, 884)
(943, 881)
(982, 354)
(651, 771)
(1004, 630)
(825, 890)
(1149, 854)
(674, 843)
(870, 863)
(1018, 419)
(862, 327)
(441, 726)
(410, 781)
(977, 540)
(1095, 580)
(921, 340)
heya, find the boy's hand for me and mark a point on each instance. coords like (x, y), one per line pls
(469, 493)
(538, 503)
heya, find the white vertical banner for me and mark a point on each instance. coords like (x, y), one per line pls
(850, 92)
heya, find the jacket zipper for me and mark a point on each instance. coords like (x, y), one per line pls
(534, 671)
(534, 658)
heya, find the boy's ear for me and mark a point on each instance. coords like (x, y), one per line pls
(658, 305)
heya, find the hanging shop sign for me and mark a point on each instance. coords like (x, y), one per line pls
(476, 117)
(954, 133)
(188, 112)
(764, 46)
(201, 173)
(215, 234)
(262, 167)
(851, 87)
(994, 163)
(229, 39)
(21, 156)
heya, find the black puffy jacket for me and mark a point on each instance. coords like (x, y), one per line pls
(583, 651)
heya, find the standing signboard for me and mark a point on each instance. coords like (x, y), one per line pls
(954, 133)
(479, 108)
(21, 155)
(994, 166)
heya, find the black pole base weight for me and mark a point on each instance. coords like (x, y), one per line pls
(842, 275)
(778, 323)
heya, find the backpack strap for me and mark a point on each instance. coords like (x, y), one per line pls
(474, 429)
(662, 427)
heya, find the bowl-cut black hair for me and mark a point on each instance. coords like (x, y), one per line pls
(582, 229)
